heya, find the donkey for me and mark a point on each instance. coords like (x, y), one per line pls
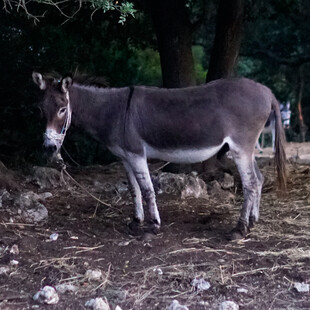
(185, 125)
(271, 123)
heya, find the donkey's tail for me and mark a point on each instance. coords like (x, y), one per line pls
(280, 157)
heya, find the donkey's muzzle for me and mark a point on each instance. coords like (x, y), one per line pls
(50, 149)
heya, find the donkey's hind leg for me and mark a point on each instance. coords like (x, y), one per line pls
(254, 216)
(135, 192)
(250, 184)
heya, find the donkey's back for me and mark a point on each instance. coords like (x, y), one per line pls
(200, 117)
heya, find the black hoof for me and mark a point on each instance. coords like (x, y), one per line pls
(154, 227)
(135, 227)
(238, 233)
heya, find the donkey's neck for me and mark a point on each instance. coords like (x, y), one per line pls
(97, 110)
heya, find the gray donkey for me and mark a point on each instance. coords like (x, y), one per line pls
(184, 125)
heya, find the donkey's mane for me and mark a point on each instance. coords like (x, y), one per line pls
(88, 80)
(79, 78)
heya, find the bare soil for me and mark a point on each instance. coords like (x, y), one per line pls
(148, 272)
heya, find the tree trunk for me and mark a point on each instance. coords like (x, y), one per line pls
(227, 39)
(300, 88)
(174, 36)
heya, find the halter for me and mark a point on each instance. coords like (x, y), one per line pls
(59, 137)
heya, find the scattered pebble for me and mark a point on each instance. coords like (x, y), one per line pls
(242, 290)
(228, 181)
(14, 249)
(158, 271)
(124, 243)
(175, 305)
(47, 295)
(94, 275)
(301, 287)
(228, 305)
(63, 288)
(14, 262)
(54, 236)
(201, 284)
(97, 304)
(4, 270)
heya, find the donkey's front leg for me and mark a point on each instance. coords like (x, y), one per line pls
(135, 191)
(140, 169)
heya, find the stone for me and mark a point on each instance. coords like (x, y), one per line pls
(97, 304)
(30, 209)
(242, 290)
(115, 295)
(66, 287)
(54, 236)
(4, 270)
(183, 185)
(217, 191)
(14, 249)
(37, 213)
(228, 181)
(45, 177)
(47, 295)
(175, 305)
(4, 197)
(301, 287)
(94, 275)
(228, 305)
(201, 284)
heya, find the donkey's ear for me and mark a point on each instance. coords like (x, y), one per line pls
(39, 80)
(66, 83)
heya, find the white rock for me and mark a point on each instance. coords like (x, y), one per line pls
(118, 308)
(14, 262)
(14, 249)
(201, 284)
(242, 290)
(47, 295)
(158, 271)
(54, 236)
(4, 270)
(63, 288)
(175, 305)
(97, 304)
(301, 287)
(94, 275)
(228, 305)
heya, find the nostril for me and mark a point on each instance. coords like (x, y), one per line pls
(50, 149)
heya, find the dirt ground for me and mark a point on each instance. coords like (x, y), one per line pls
(148, 273)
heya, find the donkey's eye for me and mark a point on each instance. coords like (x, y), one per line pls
(61, 112)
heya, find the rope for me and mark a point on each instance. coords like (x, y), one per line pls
(85, 189)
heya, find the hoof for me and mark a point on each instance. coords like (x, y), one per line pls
(238, 233)
(135, 227)
(154, 227)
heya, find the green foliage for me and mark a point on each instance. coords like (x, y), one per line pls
(125, 9)
(200, 71)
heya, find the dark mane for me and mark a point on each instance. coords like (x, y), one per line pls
(85, 79)
(78, 77)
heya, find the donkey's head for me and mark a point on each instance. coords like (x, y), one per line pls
(56, 108)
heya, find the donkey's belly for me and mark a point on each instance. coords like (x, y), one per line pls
(183, 155)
